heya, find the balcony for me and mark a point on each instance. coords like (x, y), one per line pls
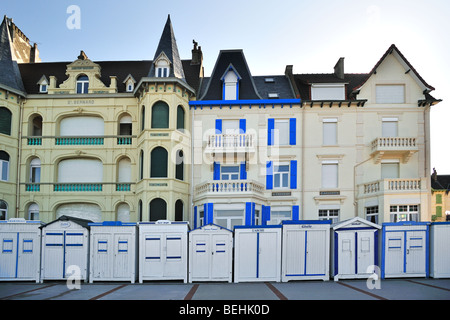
(80, 141)
(392, 186)
(231, 143)
(393, 147)
(230, 188)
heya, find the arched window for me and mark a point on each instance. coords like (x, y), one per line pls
(33, 211)
(179, 166)
(140, 213)
(125, 125)
(160, 115)
(158, 163)
(141, 165)
(158, 209)
(123, 212)
(4, 166)
(179, 210)
(180, 118)
(35, 170)
(3, 210)
(124, 171)
(5, 121)
(143, 118)
(35, 126)
(88, 211)
(83, 84)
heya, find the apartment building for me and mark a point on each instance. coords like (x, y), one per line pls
(156, 139)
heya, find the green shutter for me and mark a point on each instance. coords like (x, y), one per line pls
(439, 211)
(158, 163)
(160, 115)
(438, 198)
(5, 121)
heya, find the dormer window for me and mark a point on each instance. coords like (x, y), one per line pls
(82, 84)
(129, 83)
(162, 66)
(328, 91)
(231, 84)
(43, 85)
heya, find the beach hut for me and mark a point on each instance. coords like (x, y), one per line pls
(405, 248)
(20, 254)
(355, 248)
(305, 250)
(163, 253)
(257, 253)
(440, 249)
(211, 254)
(113, 256)
(65, 249)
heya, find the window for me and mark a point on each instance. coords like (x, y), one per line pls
(35, 171)
(162, 72)
(179, 166)
(281, 132)
(33, 212)
(279, 214)
(390, 94)
(130, 87)
(82, 126)
(230, 86)
(36, 126)
(5, 121)
(124, 171)
(229, 218)
(180, 118)
(80, 171)
(390, 170)
(158, 209)
(404, 213)
(329, 132)
(372, 214)
(329, 214)
(201, 218)
(158, 163)
(160, 115)
(43, 88)
(4, 166)
(329, 174)
(179, 210)
(389, 127)
(281, 175)
(229, 172)
(3, 210)
(143, 118)
(140, 213)
(123, 212)
(141, 165)
(83, 84)
(125, 125)
(327, 92)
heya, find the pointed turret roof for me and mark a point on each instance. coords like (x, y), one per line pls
(168, 46)
(10, 78)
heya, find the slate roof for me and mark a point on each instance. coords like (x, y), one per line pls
(351, 81)
(9, 76)
(212, 86)
(32, 72)
(440, 182)
(168, 45)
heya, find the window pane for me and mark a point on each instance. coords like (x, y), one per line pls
(160, 115)
(281, 132)
(390, 94)
(329, 175)
(158, 168)
(4, 165)
(5, 121)
(389, 171)
(329, 133)
(389, 129)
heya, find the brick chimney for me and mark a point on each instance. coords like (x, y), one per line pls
(197, 55)
(339, 69)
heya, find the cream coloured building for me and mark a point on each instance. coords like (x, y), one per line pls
(155, 139)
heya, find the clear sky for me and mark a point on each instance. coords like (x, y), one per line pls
(311, 35)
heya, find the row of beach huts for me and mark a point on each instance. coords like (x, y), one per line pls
(73, 248)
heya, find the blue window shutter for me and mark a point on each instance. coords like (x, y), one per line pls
(216, 171)
(242, 125)
(195, 217)
(270, 128)
(208, 213)
(218, 126)
(248, 213)
(293, 174)
(295, 212)
(269, 175)
(292, 131)
(265, 215)
(243, 174)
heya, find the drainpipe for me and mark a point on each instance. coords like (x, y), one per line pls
(19, 155)
(303, 162)
(191, 194)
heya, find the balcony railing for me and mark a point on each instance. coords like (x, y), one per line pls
(234, 187)
(393, 186)
(77, 187)
(79, 140)
(231, 142)
(394, 143)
